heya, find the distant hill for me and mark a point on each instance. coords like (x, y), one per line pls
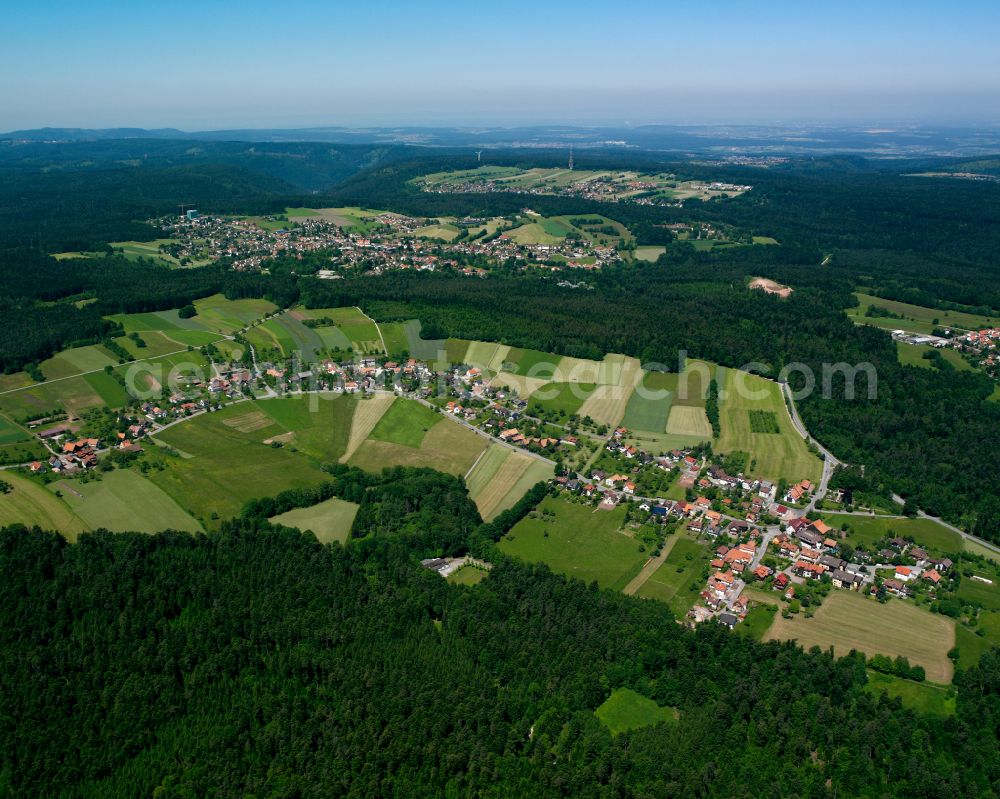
(719, 140)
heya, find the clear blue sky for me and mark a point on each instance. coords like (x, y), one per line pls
(282, 63)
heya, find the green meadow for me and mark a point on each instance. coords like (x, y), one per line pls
(627, 710)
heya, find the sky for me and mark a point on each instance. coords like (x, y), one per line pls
(210, 65)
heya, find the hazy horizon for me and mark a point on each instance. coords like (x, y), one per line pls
(200, 67)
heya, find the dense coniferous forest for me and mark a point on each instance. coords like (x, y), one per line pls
(260, 663)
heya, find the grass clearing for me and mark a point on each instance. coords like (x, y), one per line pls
(679, 580)
(468, 575)
(329, 521)
(650, 253)
(124, 501)
(758, 621)
(577, 541)
(847, 621)
(627, 710)
(923, 697)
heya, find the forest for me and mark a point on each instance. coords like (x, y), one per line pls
(258, 662)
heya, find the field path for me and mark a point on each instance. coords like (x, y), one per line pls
(650, 568)
(379, 329)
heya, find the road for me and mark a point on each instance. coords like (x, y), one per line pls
(965, 536)
(829, 461)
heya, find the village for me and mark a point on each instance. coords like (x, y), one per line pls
(379, 242)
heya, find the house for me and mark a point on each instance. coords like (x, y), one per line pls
(810, 537)
(808, 570)
(931, 576)
(895, 587)
(762, 572)
(940, 565)
(904, 573)
(832, 562)
(728, 620)
(843, 579)
(37, 467)
(781, 582)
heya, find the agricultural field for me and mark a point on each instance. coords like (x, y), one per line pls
(777, 455)
(531, 363)
(577, 541)
(612, 186)
(688, 421)
(420, 348)
(565, 398)
(935, 538)
(397, 342)
(150, 250)
(224, 460)
(76, 361)
(649, 406)
(679, 580)
(620, 375)
(410, 434)
(361, 332)
(406, 422)
(30, 504)
(524, 386)
(355, 219)
(11, 433)
(486, 355)
(287, 334)
(329, 521)
(849, 621)
(122, 501)
(73, 394)
(922, 697)
(456, 350)
(367, 414)
(220, 315)
(915, 318)
(441, 229)
(501, 476)
(627, 710)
